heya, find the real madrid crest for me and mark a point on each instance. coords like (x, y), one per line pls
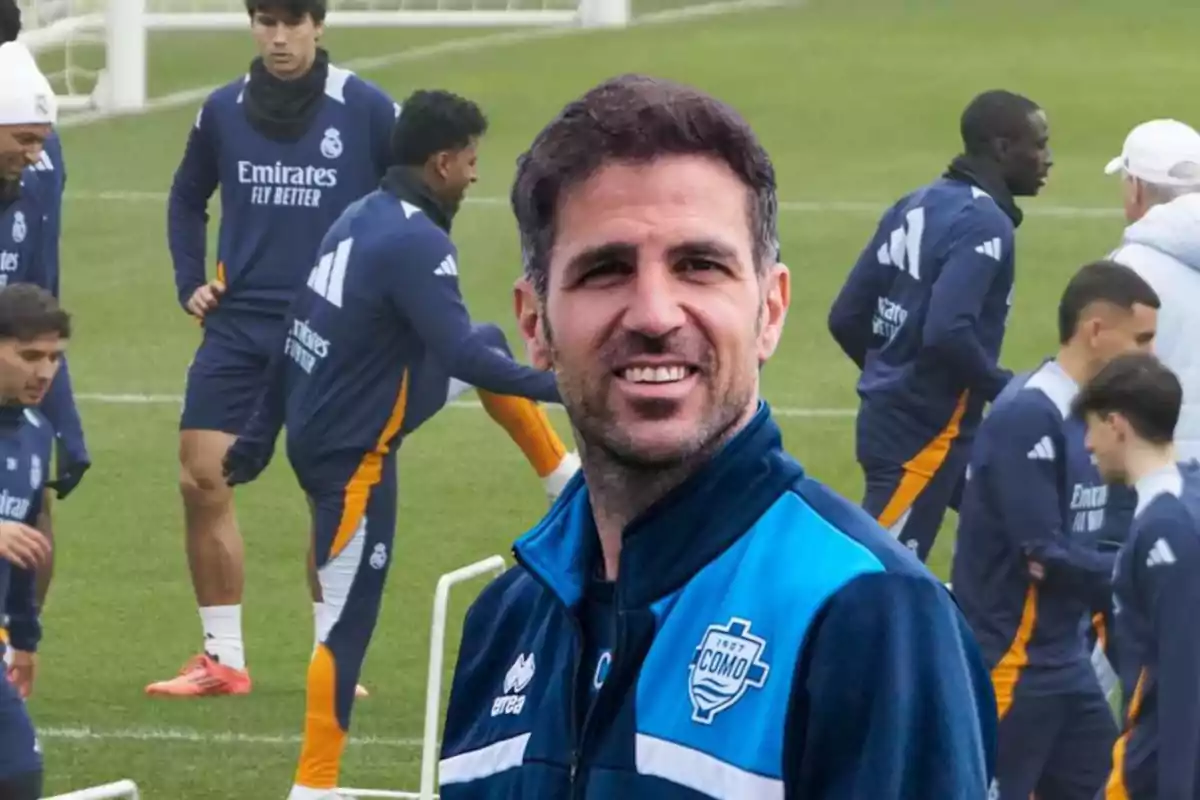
(19, 229)
(331, 144)
(727, 662)
(35, 472)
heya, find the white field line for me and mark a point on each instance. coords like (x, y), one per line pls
(175, 399)
(204, 737)
(463, 45)
(790, 206)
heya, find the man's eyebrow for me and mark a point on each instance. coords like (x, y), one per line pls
(703, 248)
(611, 251)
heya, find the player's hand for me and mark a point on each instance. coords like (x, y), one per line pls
(245, 460)
(69, 476)
(22, 671)
(205, 299)
(22, 545)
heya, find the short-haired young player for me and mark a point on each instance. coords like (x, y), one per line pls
(290, 145)
(33, 334)
(924, 311)
(1132, 407)
(1028, 570)
(373, 342)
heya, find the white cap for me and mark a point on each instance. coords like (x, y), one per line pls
(1163, 151)
(26, 97)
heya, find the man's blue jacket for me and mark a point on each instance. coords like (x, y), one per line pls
(771, 641)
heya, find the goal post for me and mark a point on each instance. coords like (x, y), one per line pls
(122, 29)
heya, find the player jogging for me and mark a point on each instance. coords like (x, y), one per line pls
(33, 333)
(923, 315)
(1132, 408)
(372, 344)
(1027, 569)
(290, 145)
(30, 208)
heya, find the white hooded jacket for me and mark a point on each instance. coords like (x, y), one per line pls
(1164, 248)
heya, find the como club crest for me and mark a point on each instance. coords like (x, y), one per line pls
(727, 662)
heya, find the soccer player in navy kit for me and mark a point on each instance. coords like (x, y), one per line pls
(33, 333)
(291, 145)
(30, 209)
(923, 314)
(1027, 569)
(1131, 408)
(374, 338)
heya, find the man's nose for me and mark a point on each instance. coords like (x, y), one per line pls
(654, 308)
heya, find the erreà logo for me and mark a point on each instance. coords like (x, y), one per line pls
(727, 662)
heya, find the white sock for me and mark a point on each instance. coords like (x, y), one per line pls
(304, 793)
(223, 634)
(556, 481)
(318, 623)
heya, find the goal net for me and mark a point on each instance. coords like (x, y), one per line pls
(95, 51)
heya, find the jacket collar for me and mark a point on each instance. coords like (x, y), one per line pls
(403, 182)
(677, 536)
(984, 175)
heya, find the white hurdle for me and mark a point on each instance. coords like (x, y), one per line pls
(121, 790)
(493, 565)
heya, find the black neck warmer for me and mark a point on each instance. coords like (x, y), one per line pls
(283, 110)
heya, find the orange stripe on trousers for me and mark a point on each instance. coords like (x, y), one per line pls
(921, 468)
(1116, 788)
(368, 473)
(324, 738)
(1006, 673)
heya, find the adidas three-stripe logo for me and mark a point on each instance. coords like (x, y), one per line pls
(448, 267)
(990, 248)
(1160, 554)
(1042, 451)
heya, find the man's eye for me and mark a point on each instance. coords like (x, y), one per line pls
(701, 265)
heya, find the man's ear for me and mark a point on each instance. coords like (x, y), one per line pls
(777, 297)
(531, 323)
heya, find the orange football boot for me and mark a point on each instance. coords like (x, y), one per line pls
(203, 676)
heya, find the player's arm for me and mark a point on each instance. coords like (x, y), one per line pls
(892, 699)
(1170, 585)
(251, 452)
(25, 548)
(383, 115)
(853, 309)
(59, 403)
(1023, 477)
(195, 180)
(430, 299)
(956, 302)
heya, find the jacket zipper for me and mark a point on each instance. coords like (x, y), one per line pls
(576, 666)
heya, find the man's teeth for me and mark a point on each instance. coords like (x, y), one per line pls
(655, 374)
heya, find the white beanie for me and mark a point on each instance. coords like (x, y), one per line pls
(26, 97)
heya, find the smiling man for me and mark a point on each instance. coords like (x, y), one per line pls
(695, 617)
(923, 315)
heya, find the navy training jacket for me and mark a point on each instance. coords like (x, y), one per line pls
(770, 641)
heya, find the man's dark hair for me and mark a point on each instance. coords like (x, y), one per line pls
(636, 118)
(1101, 282)
(291, 9)
(10, 21)
(433, 121)
(28, 312)
(995, 114)
(1141, 389)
